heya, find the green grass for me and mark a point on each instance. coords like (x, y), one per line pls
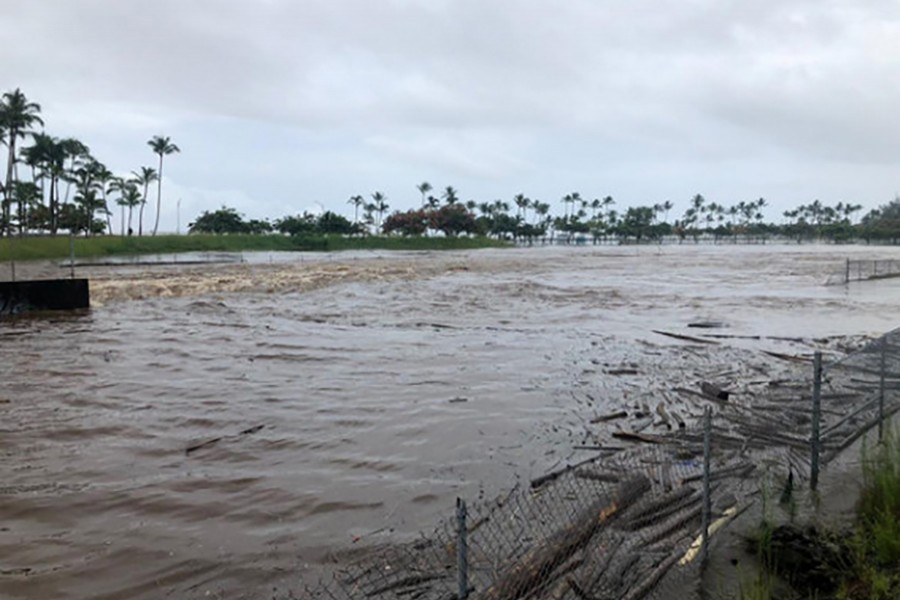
(877, 542)
(872, 570)
(30, 248)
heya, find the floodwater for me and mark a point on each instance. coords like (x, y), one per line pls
(220, 431)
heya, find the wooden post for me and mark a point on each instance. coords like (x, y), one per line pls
(847, 272)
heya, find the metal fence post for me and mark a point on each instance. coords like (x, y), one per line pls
(12, 261)
(816, 417)
(71, 256)
(881, 388)
(462, 550)
(707, 504)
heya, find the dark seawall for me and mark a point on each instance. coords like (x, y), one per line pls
(17, 297)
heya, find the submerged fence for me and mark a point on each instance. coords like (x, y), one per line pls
(637, 523)
(862, 270)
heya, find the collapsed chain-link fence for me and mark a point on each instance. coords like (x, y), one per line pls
(630, 524)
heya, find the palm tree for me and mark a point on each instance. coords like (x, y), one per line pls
(380, 205)
(104, 177)
(522, 203)
(77, 154)
(356, 201)
(565, 200)
(17, 115)
(162, 146)
(119, 186)
(146, 176)
(131, 197)
(450, 195)
(667, 206)
(424, 188)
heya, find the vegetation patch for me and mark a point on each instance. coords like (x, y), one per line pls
(861, 563)
(32, 248)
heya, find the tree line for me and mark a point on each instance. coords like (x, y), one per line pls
(55, 184)
(595, 220)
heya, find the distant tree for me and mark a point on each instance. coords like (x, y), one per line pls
(424, 188)
(408, 223)
(356, 201)
(380, 205)
(17, 115)
(223, 220)
(330, 223)
(162, 146)
(144, 177)
(450, 195)
(298, 225)
(453, 220)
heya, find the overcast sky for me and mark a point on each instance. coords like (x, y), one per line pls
(285, 105)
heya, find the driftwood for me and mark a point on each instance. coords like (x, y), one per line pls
(789, 357)
(599, 448)
(404, 582)
(610, 417)
(639, 437)
(687, 338)
(622, 372)
(207, 443)
(642, 424)
(711, 389)
(532, 570)
(707, 325)
(688, 392)
(543, 479)
(888, 412)
(664, 415)
(652, 507)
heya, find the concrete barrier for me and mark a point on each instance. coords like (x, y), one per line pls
(18, 297)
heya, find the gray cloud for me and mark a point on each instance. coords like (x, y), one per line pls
(280, 103)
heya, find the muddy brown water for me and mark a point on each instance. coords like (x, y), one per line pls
(219, 431)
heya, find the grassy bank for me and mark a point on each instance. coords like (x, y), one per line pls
(30, 248)
(861, 563)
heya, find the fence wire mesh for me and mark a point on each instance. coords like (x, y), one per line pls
(629, 525)
(863, 270)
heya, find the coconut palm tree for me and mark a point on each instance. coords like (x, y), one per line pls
(424, 188)
(522, 203)
(566, 200)
(131, 197)
(450, 195)
(145, 177)
(380, 206)
(17, 115)
(104, 178)
(77, 154)
(161, 146)
(667, 206)
(356, 201)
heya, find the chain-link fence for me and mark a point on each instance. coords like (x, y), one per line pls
(863, 270)
(635, 523)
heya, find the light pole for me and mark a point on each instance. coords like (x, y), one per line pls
(178, 216)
